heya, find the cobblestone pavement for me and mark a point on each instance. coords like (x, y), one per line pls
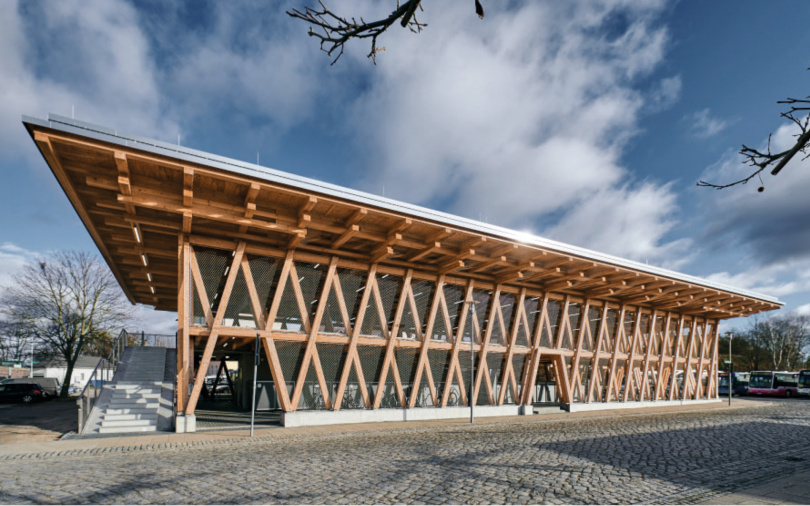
(672, 457)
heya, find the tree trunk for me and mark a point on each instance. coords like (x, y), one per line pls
(63, 394)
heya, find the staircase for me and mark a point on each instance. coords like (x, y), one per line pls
(139, 398)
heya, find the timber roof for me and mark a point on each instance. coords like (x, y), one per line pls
(136, 195)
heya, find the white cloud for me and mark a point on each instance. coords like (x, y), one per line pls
(147, 319)
(12, 259)
(768, 230)
(702, 125)
(523, 119)
(665, 94)
(88, 54)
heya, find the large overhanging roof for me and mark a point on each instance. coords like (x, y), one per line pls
(136, 195)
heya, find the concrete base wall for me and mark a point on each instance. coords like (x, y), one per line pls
(307, 418)
(601, 406)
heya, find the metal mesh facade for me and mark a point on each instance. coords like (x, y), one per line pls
(371, 361)
(439, 363)
(391, 301)
(554, 310)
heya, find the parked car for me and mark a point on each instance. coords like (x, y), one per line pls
(21, 392)
(50, 386)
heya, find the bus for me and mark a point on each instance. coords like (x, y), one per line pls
(739, 386)
(774, 383)
(804, 383)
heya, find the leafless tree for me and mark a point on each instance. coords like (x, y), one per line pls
(761, 160)
(335, 31)
(66, 299)
(15, 341)
(785, 337)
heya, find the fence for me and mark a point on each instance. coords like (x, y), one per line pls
(158, 340)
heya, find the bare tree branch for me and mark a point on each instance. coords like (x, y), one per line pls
(335, 31)
(761, 160)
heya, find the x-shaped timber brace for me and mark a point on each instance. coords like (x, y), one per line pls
(626, 352)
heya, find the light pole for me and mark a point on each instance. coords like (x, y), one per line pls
(730, 369)
(255, 372)
(472, 360)
(32, 359)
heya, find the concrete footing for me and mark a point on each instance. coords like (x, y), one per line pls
(307, 418)
(600, 406)
(185, 423)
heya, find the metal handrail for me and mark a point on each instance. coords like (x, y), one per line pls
(103, 373)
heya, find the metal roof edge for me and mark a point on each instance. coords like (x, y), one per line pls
(113, 136)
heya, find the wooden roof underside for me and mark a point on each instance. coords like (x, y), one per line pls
(135, 204)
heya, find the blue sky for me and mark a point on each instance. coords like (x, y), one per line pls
(586, 121)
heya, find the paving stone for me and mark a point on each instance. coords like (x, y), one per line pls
(681, 458)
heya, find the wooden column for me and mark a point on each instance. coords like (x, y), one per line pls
(185, 309)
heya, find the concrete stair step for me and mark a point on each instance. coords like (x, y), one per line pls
(129, 411)
(123, 430)
(134, 405)
(127, 423)
(146, 394)
(130, 416)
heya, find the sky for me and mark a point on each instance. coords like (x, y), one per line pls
(584, 121)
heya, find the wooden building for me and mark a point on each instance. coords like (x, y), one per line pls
(358, 301)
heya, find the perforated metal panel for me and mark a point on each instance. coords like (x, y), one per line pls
(311, 277)
(332, 356)
(332, 321)
(584, 378)
(423, 293)
(519, 368)
(439, 332)
(371, 360)
(439, 361)
(594, 319)
(622, 384)
(214, 265)
(611, 330)
(406, 363)
(390, 289)
(454, 297)
(407, 324)
(239, 312)
(290, 357)
(554, 310)
(312, 397)
(265, 271)
(352, 395)
(482, 307)
(495, 364)
(629, 329)
(288, 317)
(198, 314)
(569, 337)
(531, 306)
(507, 302)
(603, 369)
(353, 285)
(464, 363)
(644, 334)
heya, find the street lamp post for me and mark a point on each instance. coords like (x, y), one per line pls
(730, 369)
(255, 372)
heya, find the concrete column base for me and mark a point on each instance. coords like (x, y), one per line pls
(185, 423)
